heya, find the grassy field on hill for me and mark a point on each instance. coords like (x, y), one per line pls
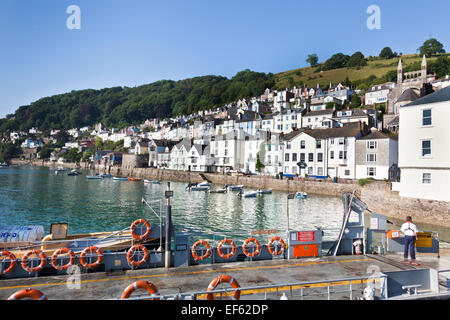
(375, 66)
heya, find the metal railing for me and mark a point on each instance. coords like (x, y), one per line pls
(296, 290)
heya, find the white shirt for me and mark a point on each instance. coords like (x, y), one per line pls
(409, 229)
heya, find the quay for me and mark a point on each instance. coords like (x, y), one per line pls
(273, 275)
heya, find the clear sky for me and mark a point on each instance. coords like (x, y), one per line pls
(134, 42)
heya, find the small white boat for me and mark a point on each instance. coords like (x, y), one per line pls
(248, 194)
(94, 177)
(236, 187)
(147, 181)
(204, 184)
(196, 188)
(301, 195)
(156, 181)
(120, 178)
(264, 191)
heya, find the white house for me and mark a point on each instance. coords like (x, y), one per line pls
(229, 151)
(200, 158)
(179, 155)
(273, 154)
(379, 93)
(424, 153)
(254, 148)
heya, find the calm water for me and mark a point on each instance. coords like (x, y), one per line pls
(33, 195)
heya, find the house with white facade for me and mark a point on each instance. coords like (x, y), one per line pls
(200, 158)
(229, 151)
(325, 152)
(318, 119)
(375, 154)
(273, 154)
(379, 93)
(424, 153)
(254, 148)
(179, 155)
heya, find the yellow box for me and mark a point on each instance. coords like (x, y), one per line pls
(424, 240)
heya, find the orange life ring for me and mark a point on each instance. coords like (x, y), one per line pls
(206, 255)
(12, 262)
(254, 253)
(130, 255)
(269, 246)
(63, 251)
(221, 279)
(96, 263)
(233, 249)
(25, 261)
(150, 287)
(28, 293)
(142, 236)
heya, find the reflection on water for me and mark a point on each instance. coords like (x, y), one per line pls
(30, 195)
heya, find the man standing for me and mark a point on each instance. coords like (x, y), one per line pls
(409, 229)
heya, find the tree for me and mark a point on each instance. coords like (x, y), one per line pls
(338, 60)
(312, 59)
(387, 53)
(441, 66)
(46, 151)
(73, 155)
(355, 101)
(8, 151)
(356, 60)
(259, 165)
(430, 47)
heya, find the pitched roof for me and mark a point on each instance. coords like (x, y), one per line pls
(439, 96)
(319, 113)
(346, 131)
(408, 95)
(375, 135)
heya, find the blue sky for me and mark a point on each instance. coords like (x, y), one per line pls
(130, 43)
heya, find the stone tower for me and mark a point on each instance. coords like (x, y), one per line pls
(400, 72)
(423, 75)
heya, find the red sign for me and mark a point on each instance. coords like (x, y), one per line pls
(306, 236)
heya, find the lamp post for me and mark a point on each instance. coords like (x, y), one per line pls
(168, 195)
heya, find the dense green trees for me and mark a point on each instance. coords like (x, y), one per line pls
(356, 60)
(387, 53)
(430, 47)
(122, 106)
(312, 59)
(8, 151)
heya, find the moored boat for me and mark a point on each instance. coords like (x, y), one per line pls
(235, 187)
(248, 194)
(147, 181)
(301, 195)
(264, 191)
(134, 179)
(120, 178)
(94, 177)
(106, 175)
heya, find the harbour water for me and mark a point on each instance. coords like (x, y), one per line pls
(38, 196)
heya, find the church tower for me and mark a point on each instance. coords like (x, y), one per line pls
(423, 76)
(400, 72)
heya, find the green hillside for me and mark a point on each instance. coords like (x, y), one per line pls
(375, 66)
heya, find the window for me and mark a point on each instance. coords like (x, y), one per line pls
(331, 154)
(371, 144)
(269, 148)
(320, 171)
(294, 170)
(286, 157)
(341, 141)
(426, 117)
(332, 141)
(302, 144)
(371, 172)
(318, 144)
(226, 152)
(288, 145)
(320, 157)
(269, 160)
(310, 157)
(347, 172)
(426, 178)
(286, 169)
(426, 148)
(371, 158)
(302, 157)
(294, 157)
(310, 170)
